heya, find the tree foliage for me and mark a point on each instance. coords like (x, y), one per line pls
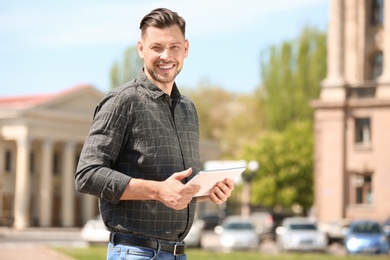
(126, 70)
(286, 167)
(228, 118)
(291, 75)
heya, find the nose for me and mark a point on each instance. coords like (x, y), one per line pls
(164, 55)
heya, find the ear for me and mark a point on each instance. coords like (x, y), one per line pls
(186, 46)
(140, 49)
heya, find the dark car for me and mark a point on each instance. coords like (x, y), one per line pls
(212, 220)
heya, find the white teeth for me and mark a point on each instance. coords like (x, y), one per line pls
(165, 67)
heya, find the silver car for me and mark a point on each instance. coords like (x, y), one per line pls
(237, 233)
(301, 234)
(194, 237)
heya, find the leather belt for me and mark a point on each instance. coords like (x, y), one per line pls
(176, 248)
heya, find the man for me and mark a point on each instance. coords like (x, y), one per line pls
(143, 146)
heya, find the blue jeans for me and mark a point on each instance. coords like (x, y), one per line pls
(124, 252)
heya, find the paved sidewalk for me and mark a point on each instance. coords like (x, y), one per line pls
(36, 243)
(32, 252)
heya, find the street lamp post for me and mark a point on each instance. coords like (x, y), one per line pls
(253, 166)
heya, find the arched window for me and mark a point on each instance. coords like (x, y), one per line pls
(376, 65)
(377, 12)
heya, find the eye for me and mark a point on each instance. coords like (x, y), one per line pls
(175, 47)
(157, 48)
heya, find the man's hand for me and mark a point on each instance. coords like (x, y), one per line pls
(222, 191)
(174, 194)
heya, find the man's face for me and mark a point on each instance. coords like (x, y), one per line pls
(163, 52)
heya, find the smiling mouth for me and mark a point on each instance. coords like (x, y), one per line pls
(165, 67)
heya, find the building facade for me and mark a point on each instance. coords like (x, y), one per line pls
(352, 115)
(40, 140)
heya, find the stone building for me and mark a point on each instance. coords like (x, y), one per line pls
(352, 115)
(40, 140)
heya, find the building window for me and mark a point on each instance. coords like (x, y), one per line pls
(376, 65)
(377, 12)
(362, 131)
(8, 161)
(363, 189)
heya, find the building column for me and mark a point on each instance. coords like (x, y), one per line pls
(68, 190)
(46, 185)
(383, 89)
(333, 86)
(22, 184)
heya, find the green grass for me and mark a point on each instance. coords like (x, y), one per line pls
(84, 253)
(99, 252)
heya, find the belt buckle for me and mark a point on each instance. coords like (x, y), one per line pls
(179, 249)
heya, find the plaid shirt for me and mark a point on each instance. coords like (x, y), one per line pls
(139, 131)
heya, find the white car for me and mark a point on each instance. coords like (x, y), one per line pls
(194, 237)
(237, 233)
(94, 231)
(301, 234)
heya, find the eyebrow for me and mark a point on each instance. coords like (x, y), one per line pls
(170, 44)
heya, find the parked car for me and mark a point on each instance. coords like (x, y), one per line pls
(386, 229)
(301, 234)
(94, 231)
(211, 220)
(337, 230)
(266, 223)
(194, 237)
(366, 236)
(237, 233)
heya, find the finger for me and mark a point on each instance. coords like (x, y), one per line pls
(195, 188)
(220, 193)
(224, 188)
(183, 174)
(229, 183)
(215, 198)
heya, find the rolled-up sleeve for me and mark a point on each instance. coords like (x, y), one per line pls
(95, 174)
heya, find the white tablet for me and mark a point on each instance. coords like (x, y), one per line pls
(207, 179)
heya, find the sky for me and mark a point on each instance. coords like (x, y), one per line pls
(50, 46)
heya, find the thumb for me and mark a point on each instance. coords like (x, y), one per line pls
(183, 174)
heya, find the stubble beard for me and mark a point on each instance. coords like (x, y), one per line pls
(160, 79)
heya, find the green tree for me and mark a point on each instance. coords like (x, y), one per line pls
(286, 167)
(291, 75)
(229, 118)
(126, 70)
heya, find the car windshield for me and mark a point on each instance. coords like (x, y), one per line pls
(302, 227)
(238, 226)
(366, 228)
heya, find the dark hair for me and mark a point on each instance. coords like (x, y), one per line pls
(162, 18)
